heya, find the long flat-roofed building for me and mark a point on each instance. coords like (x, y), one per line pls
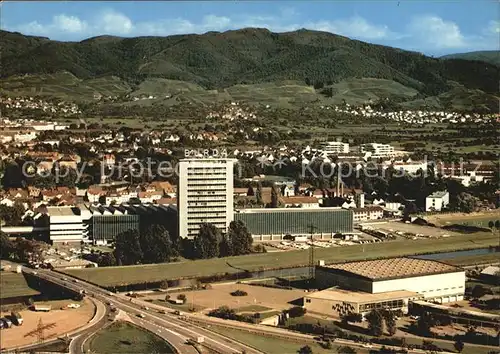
(337, 302)
(205, 194)
(434, 281)
(276, 223)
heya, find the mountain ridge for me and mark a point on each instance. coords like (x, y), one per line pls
(488, 56)
(249, 56)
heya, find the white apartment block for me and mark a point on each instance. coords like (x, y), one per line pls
(377, 150)
(335, 147)
(410, 167)
(437, 201)
(66, 224)
(204, 194)
(25, 137)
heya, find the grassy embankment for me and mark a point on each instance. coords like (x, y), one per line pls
(116, 276)
(121, 337)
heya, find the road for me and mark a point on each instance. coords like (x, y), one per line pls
(172, 328)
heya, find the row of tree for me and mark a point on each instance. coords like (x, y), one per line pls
(211, 243)
(150, 245)
(21, 249)
(154, 244)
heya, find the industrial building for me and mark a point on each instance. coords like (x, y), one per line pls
(276, 223)
(387, 283)
(66, 224)
(205, 194)
(100, 224)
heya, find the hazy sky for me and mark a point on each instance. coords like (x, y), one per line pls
(428, 26)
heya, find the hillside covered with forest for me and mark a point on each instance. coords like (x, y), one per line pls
(251, 56)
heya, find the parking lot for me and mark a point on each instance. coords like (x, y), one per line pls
(56, 322)
(411, 231)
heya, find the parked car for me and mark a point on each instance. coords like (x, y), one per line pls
(7, 323)
(16, 318)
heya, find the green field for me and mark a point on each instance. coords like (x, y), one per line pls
(121, 337)
(271, 345)
(14, 285)
(479, 221)
(116, 276)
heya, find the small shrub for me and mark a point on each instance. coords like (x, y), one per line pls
(296, 311)
(182, 297)
(239, 293)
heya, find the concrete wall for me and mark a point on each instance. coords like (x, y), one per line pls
(442, 287)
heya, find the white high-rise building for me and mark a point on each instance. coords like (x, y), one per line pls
(377, 150)
(335, 147)
(205, 194)
(66, 224)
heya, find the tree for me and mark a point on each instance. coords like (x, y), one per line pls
(352, 317)
(239, 238)
(28, 250)
(12, 216)
(274, 196)
(459, 345)
(225, 249)
(305, 350)
(250, 192)
(6, 246)
(478, 291)
(346, 350)
(167, 298)
(258, 194)
(107, 259)
(410, 208)
(375, 322)
(128, 248)
(182, 297)
(65, 176)
(425, 323)
(466, 203)
(428, 345)
(206, 242)
(297, 311)
(155, 244)
(164, 284)
(390, 322)
(12, 175)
